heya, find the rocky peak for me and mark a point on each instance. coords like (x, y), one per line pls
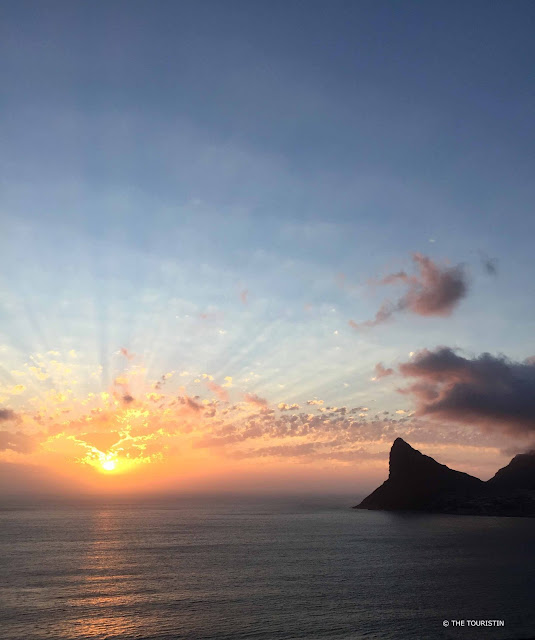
(518, 475)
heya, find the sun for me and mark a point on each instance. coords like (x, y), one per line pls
(108, 465)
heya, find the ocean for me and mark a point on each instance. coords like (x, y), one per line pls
(262, 568)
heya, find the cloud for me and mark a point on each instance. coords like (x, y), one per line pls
(283, 451)
(163, 379)
(252, 398)
(18, 441)
(434, 291)
(283, 406)
(7, 414)
(491, 391)
(155, 426)
(381, 372)
(127, 354)
(490, 265)
(244, 295)
(191, 404)
(221, 393)
(101, 440)
(385, 312)
(39, 373)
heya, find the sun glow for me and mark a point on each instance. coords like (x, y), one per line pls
(108, 465)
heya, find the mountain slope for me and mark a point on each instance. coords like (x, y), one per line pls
(417, 482)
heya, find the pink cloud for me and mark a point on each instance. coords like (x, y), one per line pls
(252, 398)
(221, 393)
(434, 291)
(381, 371)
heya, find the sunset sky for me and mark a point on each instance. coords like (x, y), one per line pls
(248, 244)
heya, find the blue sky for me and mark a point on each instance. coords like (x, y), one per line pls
(213, 186)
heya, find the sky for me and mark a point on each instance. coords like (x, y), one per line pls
(246, 245)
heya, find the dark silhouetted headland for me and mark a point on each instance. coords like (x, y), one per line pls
(418, 483)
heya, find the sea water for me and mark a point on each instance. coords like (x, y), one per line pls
(262, 568)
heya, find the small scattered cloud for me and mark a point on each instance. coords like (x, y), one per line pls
(39, 373)
(490, 265)
(252, 398)
(283, 406)
(381, 371)
(221, 393)
(127, 354)
(163, 379)
(190, 403)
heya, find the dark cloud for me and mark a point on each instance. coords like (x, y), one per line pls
(490, 265)
(190, 403)
(434, 291)
(7, 414)
(127, 398)
(490, 391)
(160, 383)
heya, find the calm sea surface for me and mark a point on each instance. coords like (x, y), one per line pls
(292, 568)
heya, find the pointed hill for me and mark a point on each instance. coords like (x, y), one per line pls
(518, 475)
(417, 482)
